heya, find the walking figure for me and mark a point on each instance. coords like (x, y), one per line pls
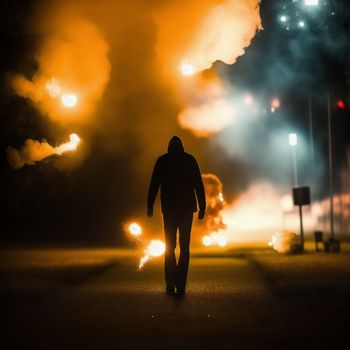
(179, 178)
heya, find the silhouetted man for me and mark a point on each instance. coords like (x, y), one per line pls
(179, 178)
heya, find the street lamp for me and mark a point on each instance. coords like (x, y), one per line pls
(293, 141)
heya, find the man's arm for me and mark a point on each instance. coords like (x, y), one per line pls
(153, 188)
(200, 192)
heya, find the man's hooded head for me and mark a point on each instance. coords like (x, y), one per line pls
(175, 145)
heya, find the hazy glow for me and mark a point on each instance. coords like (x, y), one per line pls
(293, 139)
(69, 100)
(53, 87)
(287, 202)
(311, 2)
(248, 99)
(208, 118)
(135, 229)
(301, 24)
(275, 103)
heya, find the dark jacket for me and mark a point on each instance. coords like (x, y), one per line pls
(179, 178)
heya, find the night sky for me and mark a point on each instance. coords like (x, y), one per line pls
(85, 197)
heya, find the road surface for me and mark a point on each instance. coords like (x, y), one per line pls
(243, 298)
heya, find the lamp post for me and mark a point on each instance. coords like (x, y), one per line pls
(293, 141)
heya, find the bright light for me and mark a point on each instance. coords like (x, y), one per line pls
(187, 69)
(283, 19)
(293, 139)
(207, 241)
(340, 104)
(221, 197)
(155, 248)
(69, 100)
(135, 229)
(301, 24)
(311, 2)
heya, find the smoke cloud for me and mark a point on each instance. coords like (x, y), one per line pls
(206, 31)
(34, 151)
(73, 67)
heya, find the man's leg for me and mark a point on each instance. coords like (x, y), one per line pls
(185, 225)
(170, 268)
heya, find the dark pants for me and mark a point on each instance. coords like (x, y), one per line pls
(176, 274)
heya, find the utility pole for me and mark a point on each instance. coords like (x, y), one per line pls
(311, 131)
(330, 166)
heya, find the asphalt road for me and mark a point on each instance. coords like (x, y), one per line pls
(241, 299)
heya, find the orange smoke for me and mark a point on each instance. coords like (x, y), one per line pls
(198, 33)
(72, 67)
(207, 119)
(34, 151)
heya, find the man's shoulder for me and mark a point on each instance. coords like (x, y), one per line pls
(189, 156)
(184, 155)
(162, 157)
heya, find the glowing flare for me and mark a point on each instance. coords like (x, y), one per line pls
(72, 145)
(155, 249)
(187, 69)
(135, 229)
(69, 100)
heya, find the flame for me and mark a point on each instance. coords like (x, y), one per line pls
(72, 145)
(135, 229)
(155, 249)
